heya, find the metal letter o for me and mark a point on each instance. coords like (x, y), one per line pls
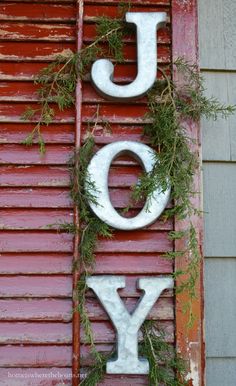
(98, 171)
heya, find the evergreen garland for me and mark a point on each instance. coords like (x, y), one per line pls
(169, 105)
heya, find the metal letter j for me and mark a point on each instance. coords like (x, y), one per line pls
(147, 24)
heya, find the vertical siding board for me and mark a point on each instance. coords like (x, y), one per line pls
(219, 205)
(216, 141)
(217, 34)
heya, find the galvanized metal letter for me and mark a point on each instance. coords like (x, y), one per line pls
(126, 324)
(98, 171)
(147, 24)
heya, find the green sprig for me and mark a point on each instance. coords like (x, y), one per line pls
(166, 366)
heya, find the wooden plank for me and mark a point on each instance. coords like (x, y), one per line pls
(28, 155)
(211, 34)
(90, 33)
(92, 11)
(61, 32)
(221, 371)
(220, 321)
(27, 52)
(32, 376)
(12, 113)
(30, 333)
(219, 205)
(58, 198)
(53, 263)
(136, 242)
(117, 132)
(231, 87)
(131, 289)
(35, 198)
(229, 14)
(44, 333)
(18, 241)
(36, 305)
(35, 310)
(37, 12)
(130, 53)
(17, 132)
(189, 341)
(162, 310)
(127, 380)
(35, 286)
(47, 219)
(126, 263)
(56, 176)
(22, 71)
(217, 43)
(44, 1)
(115, 113)
(35, 242)
(132, 263)
(216, 140)
(105, 348)
(38, 32)
(27, 92)
(135, 2)
(22, 176)
(41, 356)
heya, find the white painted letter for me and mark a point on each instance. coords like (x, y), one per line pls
(147, 24)
(126, 324)
(98, 171)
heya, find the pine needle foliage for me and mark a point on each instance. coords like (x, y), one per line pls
(169, 105)
(90, 228)
(57, 82)
(83, 189)
(166, 367)
(96, 373)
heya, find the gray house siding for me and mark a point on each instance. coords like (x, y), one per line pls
(217, 31)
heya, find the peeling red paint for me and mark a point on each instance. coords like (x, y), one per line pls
(36, 262)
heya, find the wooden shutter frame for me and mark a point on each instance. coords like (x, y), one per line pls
(190, 342)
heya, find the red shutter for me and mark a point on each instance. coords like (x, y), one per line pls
(35, 262)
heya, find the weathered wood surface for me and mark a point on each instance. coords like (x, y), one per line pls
(36, 261)
(220, 210)
(221, 371)
(217, 34)
(219, 137)
(33, 377)
(36, 307)
(190, 342)
(220, 287)
(217, 52)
